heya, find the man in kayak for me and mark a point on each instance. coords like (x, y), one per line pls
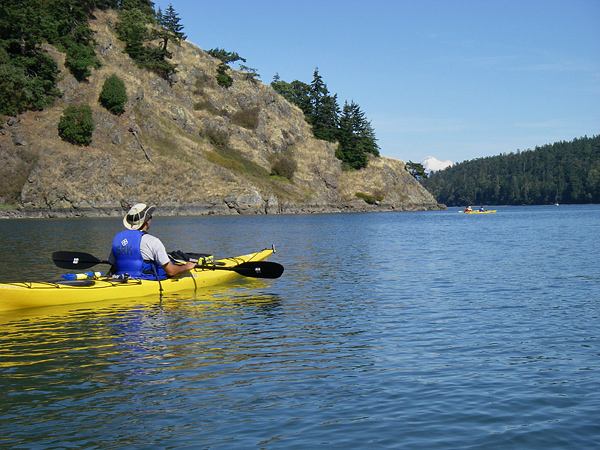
(139, 254)
(468, 208)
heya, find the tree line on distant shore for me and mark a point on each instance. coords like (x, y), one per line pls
(28, 76)
(563, 172)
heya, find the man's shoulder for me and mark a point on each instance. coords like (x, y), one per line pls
(151, 240)
(156, 248)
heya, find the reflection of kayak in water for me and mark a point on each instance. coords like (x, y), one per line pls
(479, 212)
(95, 288)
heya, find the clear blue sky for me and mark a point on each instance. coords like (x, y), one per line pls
(453, 79)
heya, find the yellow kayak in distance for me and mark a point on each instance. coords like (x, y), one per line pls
(19, 295)
(479, 212)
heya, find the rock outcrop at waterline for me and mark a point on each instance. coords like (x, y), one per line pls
(187, 145)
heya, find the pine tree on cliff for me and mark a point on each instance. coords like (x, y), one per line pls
(324, 110)
(171, 28)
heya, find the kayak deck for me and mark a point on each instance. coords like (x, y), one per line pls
(21, 295)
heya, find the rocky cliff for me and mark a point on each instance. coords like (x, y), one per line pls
(186, 145)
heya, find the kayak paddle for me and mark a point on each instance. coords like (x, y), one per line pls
(254, 269)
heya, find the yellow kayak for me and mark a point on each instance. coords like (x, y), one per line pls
(479, 212)
(97, 288)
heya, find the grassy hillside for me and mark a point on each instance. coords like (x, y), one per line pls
(185, 143)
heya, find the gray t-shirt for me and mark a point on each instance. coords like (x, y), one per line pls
(153, 250)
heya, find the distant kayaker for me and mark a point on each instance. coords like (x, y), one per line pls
(482, 209)
(468, 208)
(139, 254)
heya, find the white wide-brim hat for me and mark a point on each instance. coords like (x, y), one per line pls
(137, 216)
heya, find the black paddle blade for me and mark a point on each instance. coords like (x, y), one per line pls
(75, 260)
(254, 269)
(259, 269)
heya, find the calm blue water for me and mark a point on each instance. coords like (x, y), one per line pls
(424, 330)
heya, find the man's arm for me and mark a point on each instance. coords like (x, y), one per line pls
(174, 269)
(155, 247)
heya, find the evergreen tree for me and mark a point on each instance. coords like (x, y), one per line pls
(355, 136)
(223, 78)
(134, 32)
(324, 110)
(171, 29)
(224, 56)
(362, 130)
(281, 87)
(251, 74)
(296, 92)
(318, 90)
(349, 150)
(301, 95)
(369, 140)
(416, 170)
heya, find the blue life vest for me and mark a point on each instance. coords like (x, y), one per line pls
(128, 257)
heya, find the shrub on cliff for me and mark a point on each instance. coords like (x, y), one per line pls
(368, 198)
(114, 95)
(284, 166)
(76, 125)
(247, 118)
